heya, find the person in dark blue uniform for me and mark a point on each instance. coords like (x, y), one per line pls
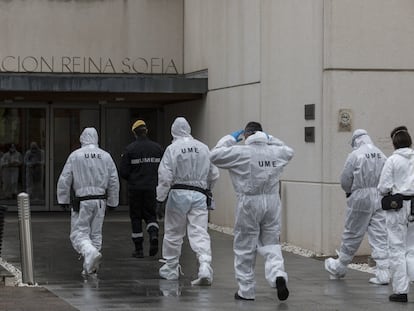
(139, 166)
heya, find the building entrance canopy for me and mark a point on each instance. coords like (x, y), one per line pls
(160, 88)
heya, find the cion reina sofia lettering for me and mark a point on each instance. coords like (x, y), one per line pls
(145, 160)
(87, 64)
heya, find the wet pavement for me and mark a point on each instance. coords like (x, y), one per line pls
(127, 283)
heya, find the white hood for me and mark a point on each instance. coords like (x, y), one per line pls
(89, 136)
(258, 137)
(405, 152)
(180, 128)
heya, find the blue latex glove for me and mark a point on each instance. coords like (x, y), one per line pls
(237, 135)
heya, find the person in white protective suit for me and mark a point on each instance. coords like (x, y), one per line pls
(92, 175)
(185, 172)
(11, 163)
(397, 177)
(34, 160)
(359, 180)
(255, 169)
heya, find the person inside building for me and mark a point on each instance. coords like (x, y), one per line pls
(359, 180)
(11, 163)
(397, 177)
(255, 169)
(185, 175)
(34, 160)
(91, 174)
(1, 174)
(139, 166)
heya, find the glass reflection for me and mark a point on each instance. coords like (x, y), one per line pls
(11, 163)
(170, 288)
(34, 161)
(22, 146)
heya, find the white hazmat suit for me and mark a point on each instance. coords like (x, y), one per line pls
(89, 171)
(359, 179)
(10, 163)
(185, 162)
(398, 177)
(255, 169)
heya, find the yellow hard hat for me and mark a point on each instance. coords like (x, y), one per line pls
(137, 124)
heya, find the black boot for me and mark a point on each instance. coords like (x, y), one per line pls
(282, 291)
(238, 297)
(153, 235)
(139, 251)
(398, 297)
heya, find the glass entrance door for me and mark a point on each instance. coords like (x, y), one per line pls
(36, 138)
(23, 140)
(35, 141)
(68, 123)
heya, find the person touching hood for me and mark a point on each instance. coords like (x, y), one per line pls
(255, 168)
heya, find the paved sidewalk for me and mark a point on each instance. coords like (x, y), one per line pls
(127, 283)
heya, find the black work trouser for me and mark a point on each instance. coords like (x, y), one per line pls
(142, 207)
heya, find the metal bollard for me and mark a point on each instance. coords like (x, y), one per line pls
(26, 246)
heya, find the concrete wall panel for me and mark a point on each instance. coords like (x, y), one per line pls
(370, 34)
(302, 221)
(379, 101)
(223, 36)
(106, 29)
(292, 78)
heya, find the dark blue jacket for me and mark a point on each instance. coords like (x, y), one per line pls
(139, 163)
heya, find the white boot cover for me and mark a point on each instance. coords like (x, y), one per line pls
(205, 275)
(335, 268)
(92, 259)
(170, 271)
(382, 277)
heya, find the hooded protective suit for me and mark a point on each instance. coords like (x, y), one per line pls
(359, 179)
(186, 162)
(88, 171)
(10, 163)
(398, 177)
(34, 160)
(255, 169)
